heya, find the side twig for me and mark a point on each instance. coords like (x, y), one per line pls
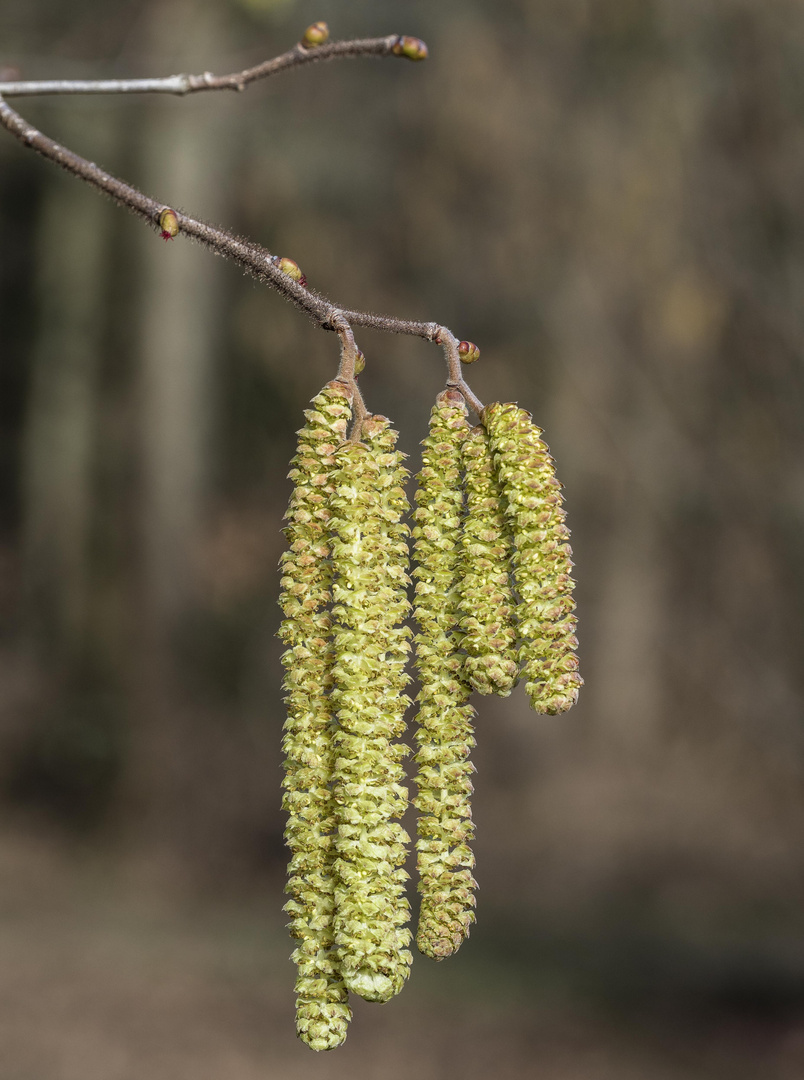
(189, 84)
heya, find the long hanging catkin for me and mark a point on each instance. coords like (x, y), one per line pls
(322, 1009)
(487, 601)
(542, 560)
(444, 719)
(370, 559)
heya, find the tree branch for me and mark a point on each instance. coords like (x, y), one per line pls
(251, 257)
(189, 84)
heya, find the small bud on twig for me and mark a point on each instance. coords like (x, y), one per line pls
(410, 47)
(468, 352)
(315, 35)
(168, 223)
(360, 362)
(292, 269)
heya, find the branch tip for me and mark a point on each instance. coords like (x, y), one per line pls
(412, 48)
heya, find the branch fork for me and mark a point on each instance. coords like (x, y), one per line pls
(251, 257)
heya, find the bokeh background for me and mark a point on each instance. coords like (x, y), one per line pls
(606, 195)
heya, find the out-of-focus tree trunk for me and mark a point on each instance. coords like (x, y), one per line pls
(184, 150)
(60, 427)
(183, 159)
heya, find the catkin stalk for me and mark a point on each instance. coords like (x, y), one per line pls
(487, 600)
(444, 736)
(542, 559)
(370, 558)
(322, 1009)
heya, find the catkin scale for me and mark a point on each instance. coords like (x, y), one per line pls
(322, 1009)
(542, 558)
(370, 648)
(487, 601)
(444, 734)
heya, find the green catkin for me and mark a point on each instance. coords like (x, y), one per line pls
(370, 559)
(444, 736)
(487, 601)
(322, 1009)
(542, 559)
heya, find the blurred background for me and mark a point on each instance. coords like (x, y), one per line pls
(606, 195)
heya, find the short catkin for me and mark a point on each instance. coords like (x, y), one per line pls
(444, 733)
(542, 558)
(370, 558)
(322, 1009)
(487, 600)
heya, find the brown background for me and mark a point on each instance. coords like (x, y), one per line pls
(606, 195)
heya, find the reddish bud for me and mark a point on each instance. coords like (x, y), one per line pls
(451, 396)
(468, 352)
(360, 362)
(168, 223)
(315, 35)
(292, 269)
(412, 48)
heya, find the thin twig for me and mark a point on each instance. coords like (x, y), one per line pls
(455, 379)
(256, 260)
(472, 400)
(189, 84)
(346, 368)
(359, 414)
(347, 373)
(253, 258)
(450, 345)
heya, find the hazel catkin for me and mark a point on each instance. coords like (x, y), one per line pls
(322, 1009)
(486, 597)
(370, 644)
(444, 735)
(542, 558)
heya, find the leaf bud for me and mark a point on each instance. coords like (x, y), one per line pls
(168, 223)
(360, 362)
(292, 269)
(468, 352)
(315, 35)
(410, 47)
